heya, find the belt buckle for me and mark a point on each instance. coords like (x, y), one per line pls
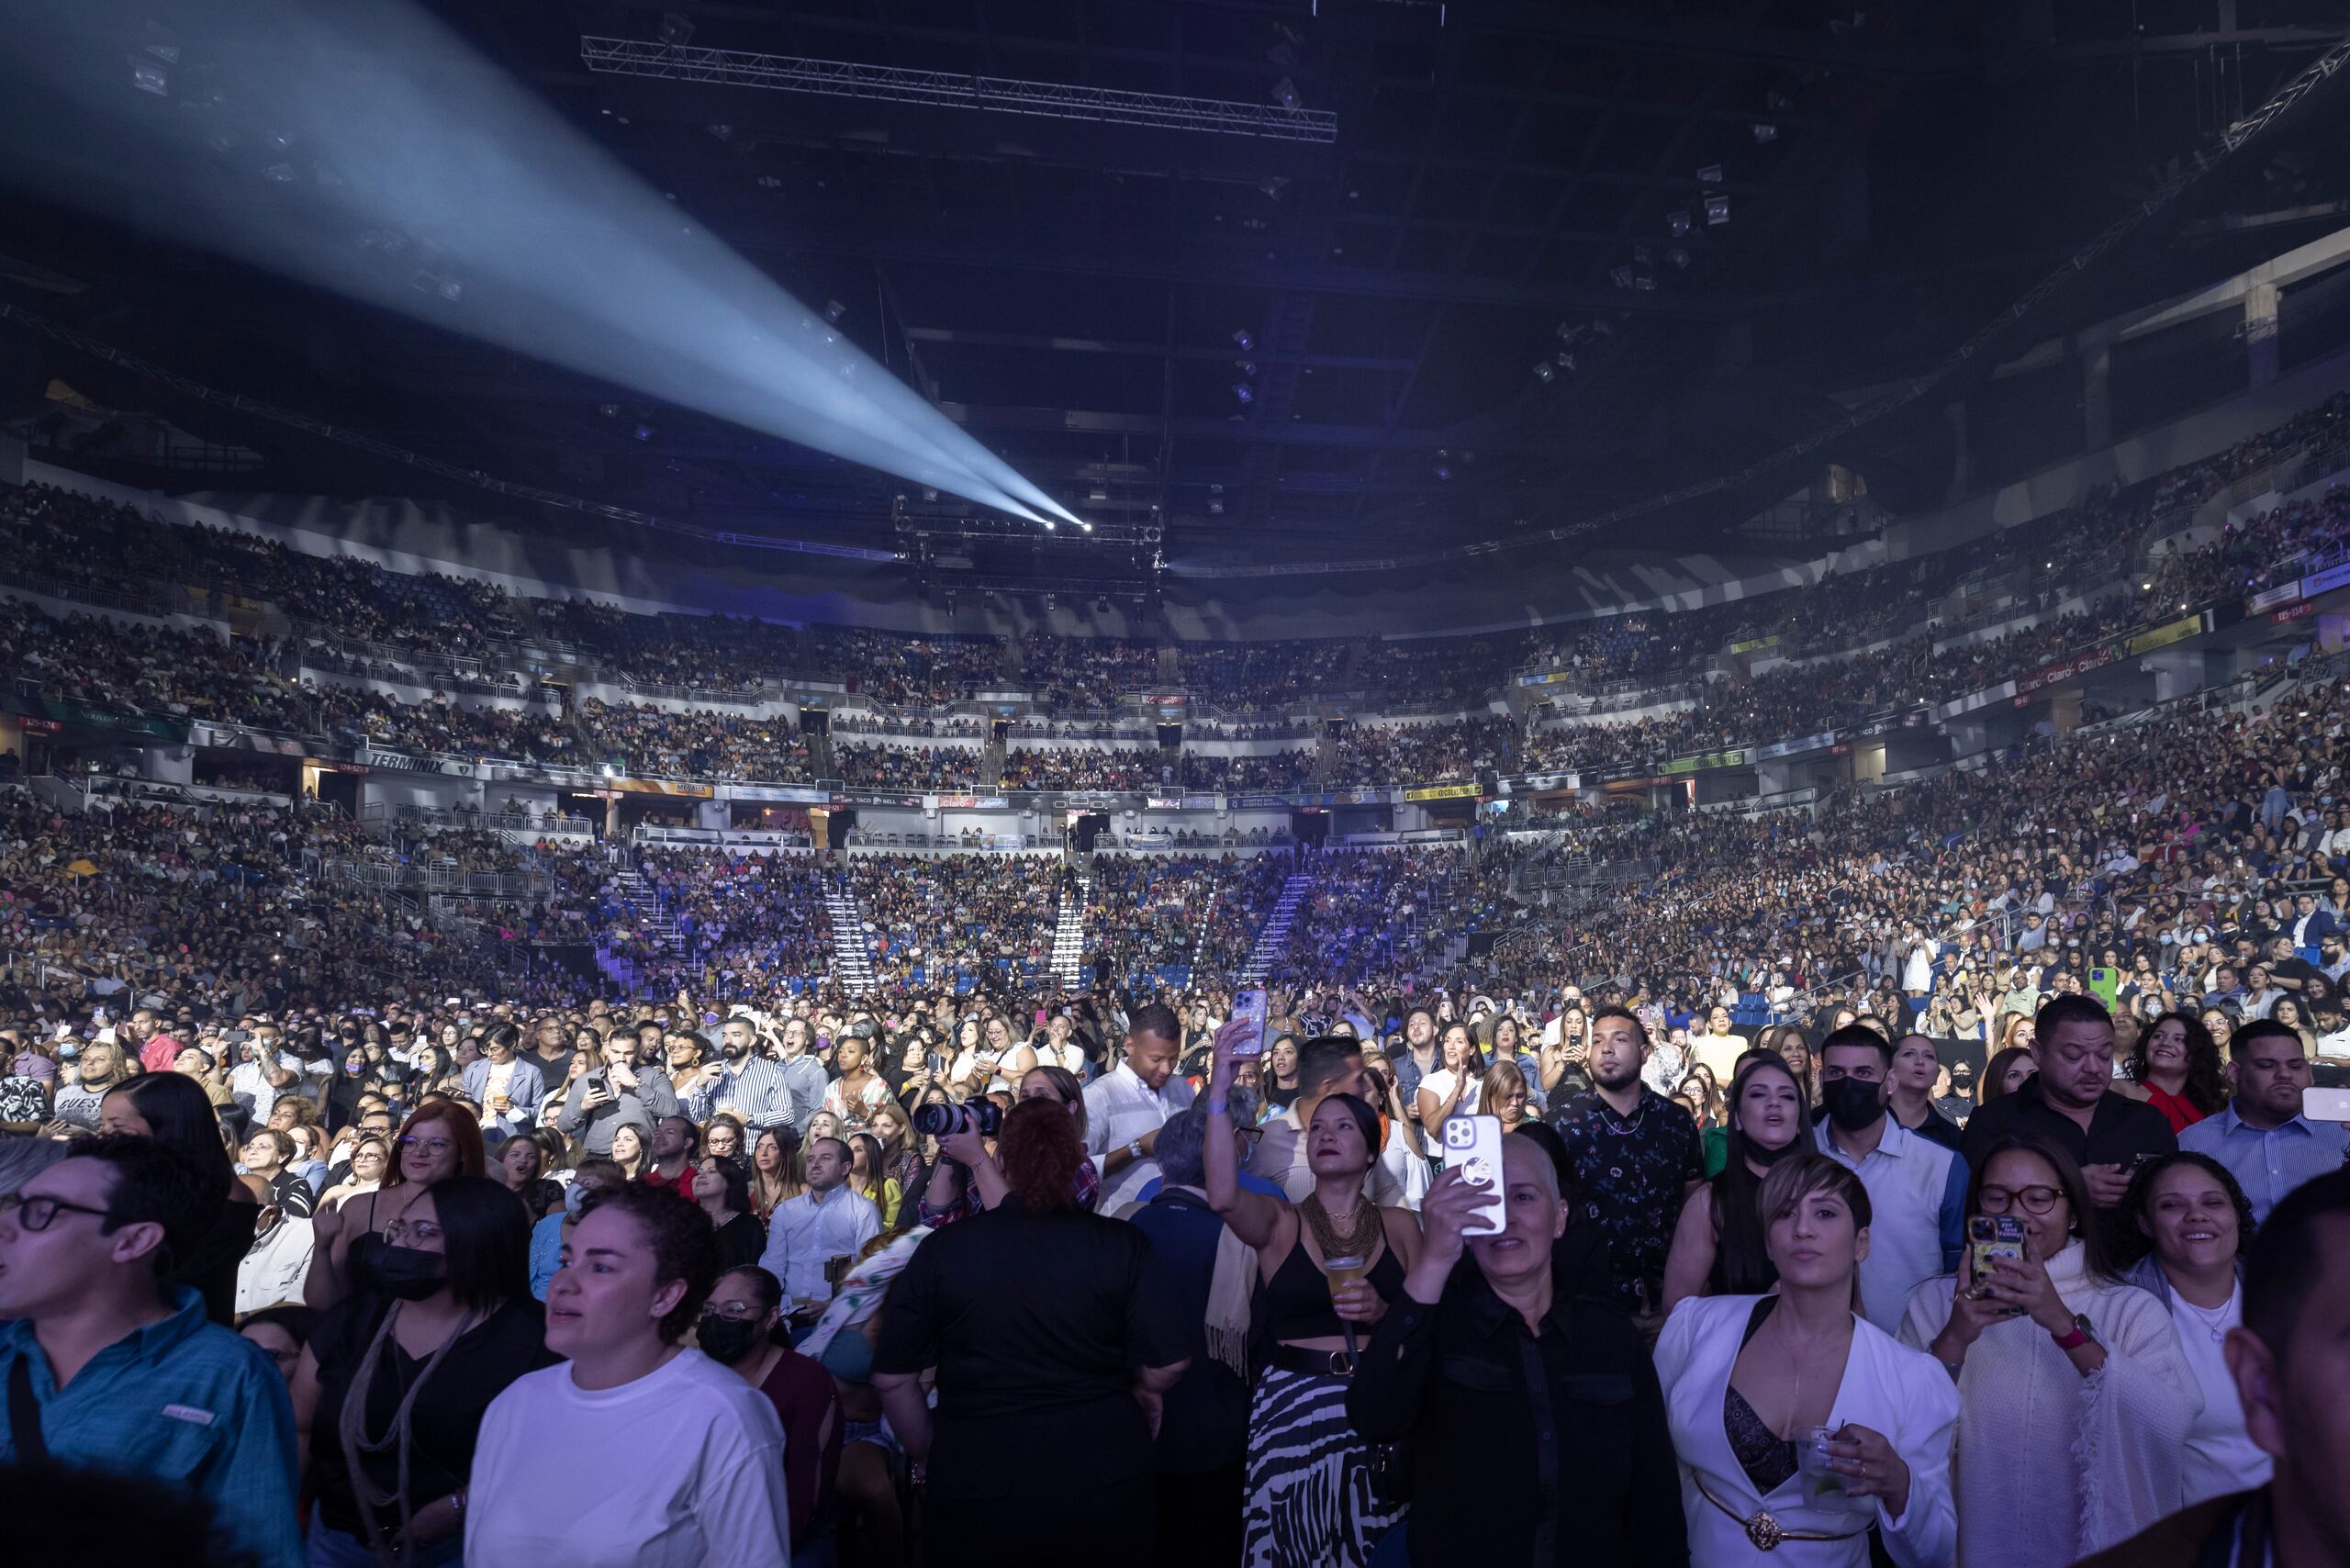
(1341, 1364)
(1764, 1532)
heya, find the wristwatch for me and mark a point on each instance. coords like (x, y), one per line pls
(2082, 1334)
(1134, 1150)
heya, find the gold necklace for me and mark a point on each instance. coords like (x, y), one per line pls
(1363, 1233)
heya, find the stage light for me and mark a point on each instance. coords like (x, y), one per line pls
(1244, 339)
(1285, 93)
(1711, 174)
(1679, 257)
(1765, 132)
(1717, 210)
(676, 31)
(642, 432)
(1543, 373)
(1215, 508)
(1245, 392)
(834, 310)
(1678, 221)
(1087, 526)
(1621, 277)
(566, 256)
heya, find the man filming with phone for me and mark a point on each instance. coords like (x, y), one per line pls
(1544, 1397)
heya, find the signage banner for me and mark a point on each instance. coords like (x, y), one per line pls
(1797, 744)
(1203, 802)
(1705, 763)
(1546, 677)
(2162, 636)
(777, 794)
(1260, 802)
(972, 802)
(2284, 593)
(2293, 612)
(2095, 658)
(2325, 581)
(671, 787)
(1162, 803)
(1443, 792)
(1758, 644)
(1536, 783)
(877, 798)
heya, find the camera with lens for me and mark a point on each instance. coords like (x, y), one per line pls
(984, 1118)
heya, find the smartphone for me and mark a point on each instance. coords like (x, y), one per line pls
(1251, 1006)
(2325, 1105)
(1472, 1144)
(1991, 1239)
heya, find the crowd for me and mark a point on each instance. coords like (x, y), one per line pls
(1083, 767)
(959, 919)
(878, 765)
(1424, 751)
(655, 743)
(1248, 773)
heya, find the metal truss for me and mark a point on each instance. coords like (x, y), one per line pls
(1003, 94)
(929, 521)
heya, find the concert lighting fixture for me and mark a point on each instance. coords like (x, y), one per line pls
(1285, 93)
(1621, 275)
(1716, 212)
(1543, 373)
(1678, 221)
(834, 310)
(148, 77)
(1765, 132)
(1711, 174)
(1244, 339)
(1245, 392)
(676, 31)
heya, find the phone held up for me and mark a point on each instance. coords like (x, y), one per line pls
(1472, 1144)
(1249, 1005)
(1991, 1239)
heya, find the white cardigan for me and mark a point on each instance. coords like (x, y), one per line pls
(1885, 1387)
(2053, 1466)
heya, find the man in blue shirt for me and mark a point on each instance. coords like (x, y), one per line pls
(116, 1371)
(2262, 1136)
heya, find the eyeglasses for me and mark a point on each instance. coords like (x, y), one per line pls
(39, 1211)
(404, 1230)
(733, 1310)
(428, 1145)
(2031, 1200)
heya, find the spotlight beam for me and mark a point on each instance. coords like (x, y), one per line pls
(414, 160)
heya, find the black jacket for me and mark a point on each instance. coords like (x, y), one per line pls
(1524, 1448)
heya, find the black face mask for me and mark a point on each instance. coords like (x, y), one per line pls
(1852, 1104)
(410, 1274)
(1768, 1156)
(729, 1340)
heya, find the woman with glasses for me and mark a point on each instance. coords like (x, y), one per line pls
(369, 1157)
(738, 1331)
(390, 1391)
(440, 1140)
(2060, 1365)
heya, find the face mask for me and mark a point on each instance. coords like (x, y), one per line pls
(729, 1340)
(1852, 1104)
(1766, 1157)
(409, 1274)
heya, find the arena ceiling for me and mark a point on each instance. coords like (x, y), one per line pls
(1502, 186)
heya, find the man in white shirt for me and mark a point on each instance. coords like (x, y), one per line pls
(827, 1221)
(1125, 1108)
(1325, 1066)
(263, 1073)
(1917, 1189)
(275, 1265)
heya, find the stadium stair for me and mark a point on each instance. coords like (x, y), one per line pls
(1272, 939)
(852, 959)
(991, 764)
(1069, 930)
(638, 894)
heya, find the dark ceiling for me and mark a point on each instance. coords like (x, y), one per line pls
(1071, 291)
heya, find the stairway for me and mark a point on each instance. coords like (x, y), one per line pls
(1069, 930)
(851, 959)
(1325, 761)
(1275, 936)
(991, 764)
(645, 904)
(820, 753)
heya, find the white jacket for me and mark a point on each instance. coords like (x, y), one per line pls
(1887, 1387)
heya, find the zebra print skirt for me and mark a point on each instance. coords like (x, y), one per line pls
(1309, 1502)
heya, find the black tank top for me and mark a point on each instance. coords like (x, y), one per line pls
(1297, 1298)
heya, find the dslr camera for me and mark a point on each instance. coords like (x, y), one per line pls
(982, 1117)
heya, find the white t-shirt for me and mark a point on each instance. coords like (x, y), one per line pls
(1439, 1083)
(2220, 1458)
(702, 1485)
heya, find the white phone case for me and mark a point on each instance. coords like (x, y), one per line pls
(1473, 1146)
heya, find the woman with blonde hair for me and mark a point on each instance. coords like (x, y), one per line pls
(1502, 1095)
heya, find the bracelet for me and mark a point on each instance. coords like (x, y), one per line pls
(457, 1499)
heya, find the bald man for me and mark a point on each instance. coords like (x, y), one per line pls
(1516, 1413)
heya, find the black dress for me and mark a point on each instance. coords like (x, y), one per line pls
(447, 1417)
(741, 1242)
(211, 1264)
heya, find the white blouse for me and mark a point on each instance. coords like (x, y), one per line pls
(1885, 1387)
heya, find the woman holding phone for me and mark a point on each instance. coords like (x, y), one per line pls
(1800, 1426)
(2059, 1364)
(1330, 1265)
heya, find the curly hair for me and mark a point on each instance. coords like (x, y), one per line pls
(2207, 1086)
(684, 1247)
(1041, 1154)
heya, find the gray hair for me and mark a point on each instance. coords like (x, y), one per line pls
(23, 1157)
(1181, 1149)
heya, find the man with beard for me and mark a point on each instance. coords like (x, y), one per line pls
(1634, 1157)
(1916, 1188)
(750, 1086)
